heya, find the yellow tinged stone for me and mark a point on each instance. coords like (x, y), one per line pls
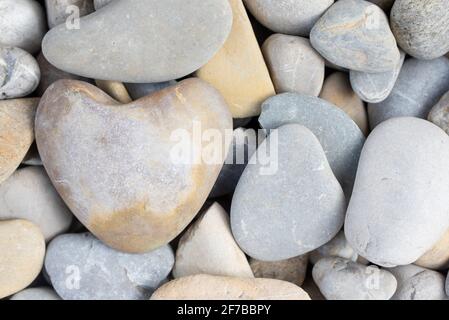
(115, 89)
(238, 70)
(436, 258)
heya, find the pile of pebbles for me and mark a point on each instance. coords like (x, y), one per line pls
(350, 98)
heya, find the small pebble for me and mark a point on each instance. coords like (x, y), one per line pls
(115, 89)
(41, 293)
(140, 90)
(439, 114)
(337, 247)
(436, 258)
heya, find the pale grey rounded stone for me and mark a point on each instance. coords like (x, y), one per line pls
(341, 279)
(294, 65)
(19, 73)
(399, 206)
(295, 17)
(28, 194)
(375, 87)
(419, 86)
(41, 293)
(119, 42)
(287, 202)
(417, 283)
(340, 137)
(421, 27)
(355, 34)
(62, 11)
(80, 267)
(337, 247)
(439, 114)
(98, 4)
(22, 24)
(139, 90)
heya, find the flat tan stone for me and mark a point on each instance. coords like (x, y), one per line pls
(115, 89)
(205, 287)
(238, 70)
(22, 248)
(438, 257)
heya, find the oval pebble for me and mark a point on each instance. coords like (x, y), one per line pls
(140, 90)
(41, 293)
(337, 247)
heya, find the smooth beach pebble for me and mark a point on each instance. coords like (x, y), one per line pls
(439, 114)
(41, 293)
(19, 73)
(82, 268)
(400, 192)
(294, 17)
(238, 70)
(115, 89)
(341, 279)
(294, 65)
(356, 35)
(22, 25)
(63, 11)
(337, 247)
(22, 248)
(133, 48)
(140, 90)
(141, 188)
(436, 258)
(299, 188)
(28, 194)
(419, 87)
(16, 133)
(202, 287)
(339, 135)
(421, 27)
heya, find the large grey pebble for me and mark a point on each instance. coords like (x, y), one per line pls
(62, 11)
(19, 73)
(375, 87)
(400, 192)
(341, 279)
(295, 207)
(120, 42)
(22, 24)
(355, 34)
(337, 247)
(41, 293)
(139, 90)
(417, 90)
(416, 283)
(440, 113)
(338, 134)
(421, 27)
(80, 267)
(294, 65)
(295, 17)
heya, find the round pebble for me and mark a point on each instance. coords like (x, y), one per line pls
(337, 247)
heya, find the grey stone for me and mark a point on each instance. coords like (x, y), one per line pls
(22, 25)
(421, 27)
(82, 268)
(62, 11)
(139, 90)
(417, 90)
(416, 283)
(375, 87)
(447, 285)
(120, 42)
(399, 206)
(292, 206)
(294, 65)
(19, 73)
(295, 17)
(439, 114)
(339, 136)
(341, 279)
(41, 293)
(337, 247)
(32, 157)
(98, 4)
(355, 34)
(384, 4)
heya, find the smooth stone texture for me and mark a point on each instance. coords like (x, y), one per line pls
(134, 48)
(101, 273)
(35, 294)
(115, 89)
(295, 17)
(140, 90)
(208, 247)
(16, 133)
(291, 270)
(205, 287)
(302, 188)
(436, 258)
(294, 65)
(22, 248)
(19, 73)
(400, 192)
(338, 91)
(98, 4)
(417, 90)
(339, 136)
(337, 247)
(375, 87)
(138, 193)
(59, 11)
(238, 70)
(421, 27)
(341, 279)
(28, 194)
(416, 283)
(439, 114)
(22, 25)
(356, 35)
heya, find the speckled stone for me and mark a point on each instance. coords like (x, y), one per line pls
(82, 268)
(337, 247)
(436, 258)
(58, 11)
(439, 114)
(41, 293)
(140, 90)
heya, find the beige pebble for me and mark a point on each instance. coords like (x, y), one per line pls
(438, 257)
(115, 89)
